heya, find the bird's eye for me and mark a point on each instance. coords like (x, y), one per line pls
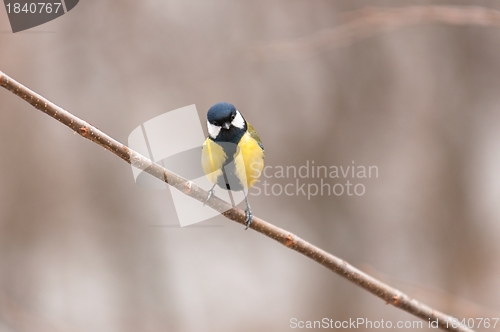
(232, 116)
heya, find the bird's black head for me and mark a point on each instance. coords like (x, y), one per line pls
(225, 123)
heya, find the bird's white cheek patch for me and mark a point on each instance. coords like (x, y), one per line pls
(238, 121)
(213, 130)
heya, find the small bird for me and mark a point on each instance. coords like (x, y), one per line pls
(232, 155)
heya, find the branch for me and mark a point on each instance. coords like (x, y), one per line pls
(363, 23)
(385, 292)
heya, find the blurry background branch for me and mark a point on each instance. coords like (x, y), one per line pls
(389, 294)
(369, 21)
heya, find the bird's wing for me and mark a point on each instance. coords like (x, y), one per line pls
(251, 130)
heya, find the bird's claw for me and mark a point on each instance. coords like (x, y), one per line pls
(210, 194)
(248, 217)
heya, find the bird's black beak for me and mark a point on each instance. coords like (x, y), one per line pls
(226, 125)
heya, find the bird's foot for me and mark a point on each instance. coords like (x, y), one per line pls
(248, 217)
(210, 194)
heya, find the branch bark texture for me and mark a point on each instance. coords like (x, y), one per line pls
(387, 293)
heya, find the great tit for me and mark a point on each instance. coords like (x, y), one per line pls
(232, 155)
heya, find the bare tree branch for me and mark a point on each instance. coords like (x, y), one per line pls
(369, 21)
(389, 294)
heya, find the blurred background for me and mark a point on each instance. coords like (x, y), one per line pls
(83, 248)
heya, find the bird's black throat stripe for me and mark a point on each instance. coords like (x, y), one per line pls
(228, 140)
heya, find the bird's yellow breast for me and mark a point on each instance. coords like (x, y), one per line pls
(212, 159)
(248, 160)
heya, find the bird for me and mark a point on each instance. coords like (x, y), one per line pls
(232, 154)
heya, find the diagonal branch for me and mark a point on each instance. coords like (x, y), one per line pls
(363, 23)
(387, 293)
